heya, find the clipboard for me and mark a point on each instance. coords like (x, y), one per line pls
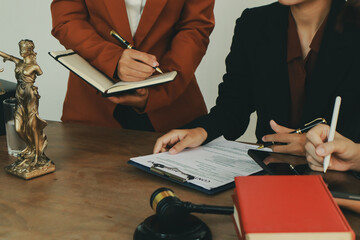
(210, 168)
(182, 181)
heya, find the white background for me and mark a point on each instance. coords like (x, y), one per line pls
(31, 19)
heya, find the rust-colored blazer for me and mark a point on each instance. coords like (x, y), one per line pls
(175, 31)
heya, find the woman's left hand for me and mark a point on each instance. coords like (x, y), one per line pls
(293, 143)
(137, 99)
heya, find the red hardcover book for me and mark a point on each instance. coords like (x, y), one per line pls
(287, 207)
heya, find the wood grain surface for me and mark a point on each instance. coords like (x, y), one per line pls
(94, 193)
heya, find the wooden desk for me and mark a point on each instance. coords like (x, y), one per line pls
(94, 194)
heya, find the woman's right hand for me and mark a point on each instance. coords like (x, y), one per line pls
(178, 139)
(345, 154)
(135, 66)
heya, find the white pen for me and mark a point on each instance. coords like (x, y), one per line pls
(332, 129)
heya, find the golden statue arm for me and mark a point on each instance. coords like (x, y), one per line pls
(38, 70)
(8, 57)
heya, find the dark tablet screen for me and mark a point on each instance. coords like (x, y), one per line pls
(341, 184)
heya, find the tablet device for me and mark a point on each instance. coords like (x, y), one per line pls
(341, 184)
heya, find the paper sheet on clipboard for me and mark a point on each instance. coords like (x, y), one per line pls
(209, 166)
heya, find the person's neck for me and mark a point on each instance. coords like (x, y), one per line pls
(29, 59)
(309, 15)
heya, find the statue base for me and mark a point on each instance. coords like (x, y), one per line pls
(25, 168)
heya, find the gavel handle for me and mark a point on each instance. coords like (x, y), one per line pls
(208, 209)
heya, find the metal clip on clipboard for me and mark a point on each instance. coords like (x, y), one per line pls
(161, 169)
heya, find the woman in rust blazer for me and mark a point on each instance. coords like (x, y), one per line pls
(176, 32)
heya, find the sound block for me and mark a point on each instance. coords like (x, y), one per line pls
(190, 228)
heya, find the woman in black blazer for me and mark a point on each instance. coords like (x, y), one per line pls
(258, 72)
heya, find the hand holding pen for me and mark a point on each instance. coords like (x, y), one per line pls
(140, 57)
(134, 66)
(285, 135)
(345, 154)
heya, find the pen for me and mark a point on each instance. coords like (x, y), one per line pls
(128, 45)
(292, 168)
(345, 195)
(306, 128)
(332, 129)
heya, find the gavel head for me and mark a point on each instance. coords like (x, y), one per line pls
(167, 206)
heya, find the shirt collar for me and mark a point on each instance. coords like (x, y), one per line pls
(293, 40)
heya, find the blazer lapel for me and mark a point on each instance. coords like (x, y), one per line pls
(272, 62)
(333, 62)
(328, 75)
(120, 21)
(151, 12)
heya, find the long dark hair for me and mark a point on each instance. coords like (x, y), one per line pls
(350, 15)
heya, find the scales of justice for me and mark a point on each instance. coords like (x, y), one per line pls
(32, 161)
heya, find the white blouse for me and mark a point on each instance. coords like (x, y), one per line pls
(134, 9)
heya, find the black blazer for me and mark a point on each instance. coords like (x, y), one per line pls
(257, 79)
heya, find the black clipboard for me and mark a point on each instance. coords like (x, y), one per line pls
(182, 181)
(341, 184)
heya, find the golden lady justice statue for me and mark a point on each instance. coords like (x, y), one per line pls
(32, 161)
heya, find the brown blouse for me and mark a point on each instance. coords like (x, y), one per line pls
(300, 69)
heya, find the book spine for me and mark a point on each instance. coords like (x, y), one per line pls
(62, 55)
(237, 229)
(241, 230)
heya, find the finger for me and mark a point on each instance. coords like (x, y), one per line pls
(131, 99)
(153, 57)
(285, 148)
(142, 91)
(311, 151)
(313, 162)
(161, 143)
(282, 137)
(327, 148)
(316, 167)
(165, 140)
(175, 139)
(316, 161)
(278, 128)
(140, 67)
(318, 134)
(269, 159)
(159, 147)
(112, 99)
(127, 72)
(127, 61)
(128, 78)
(182, 144)
(126, 99)
(145, 58)
(164, 149)
(119, 99)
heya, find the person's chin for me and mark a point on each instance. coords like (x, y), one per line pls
(290, 2)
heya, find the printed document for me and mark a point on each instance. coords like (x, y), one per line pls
(209, 166)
